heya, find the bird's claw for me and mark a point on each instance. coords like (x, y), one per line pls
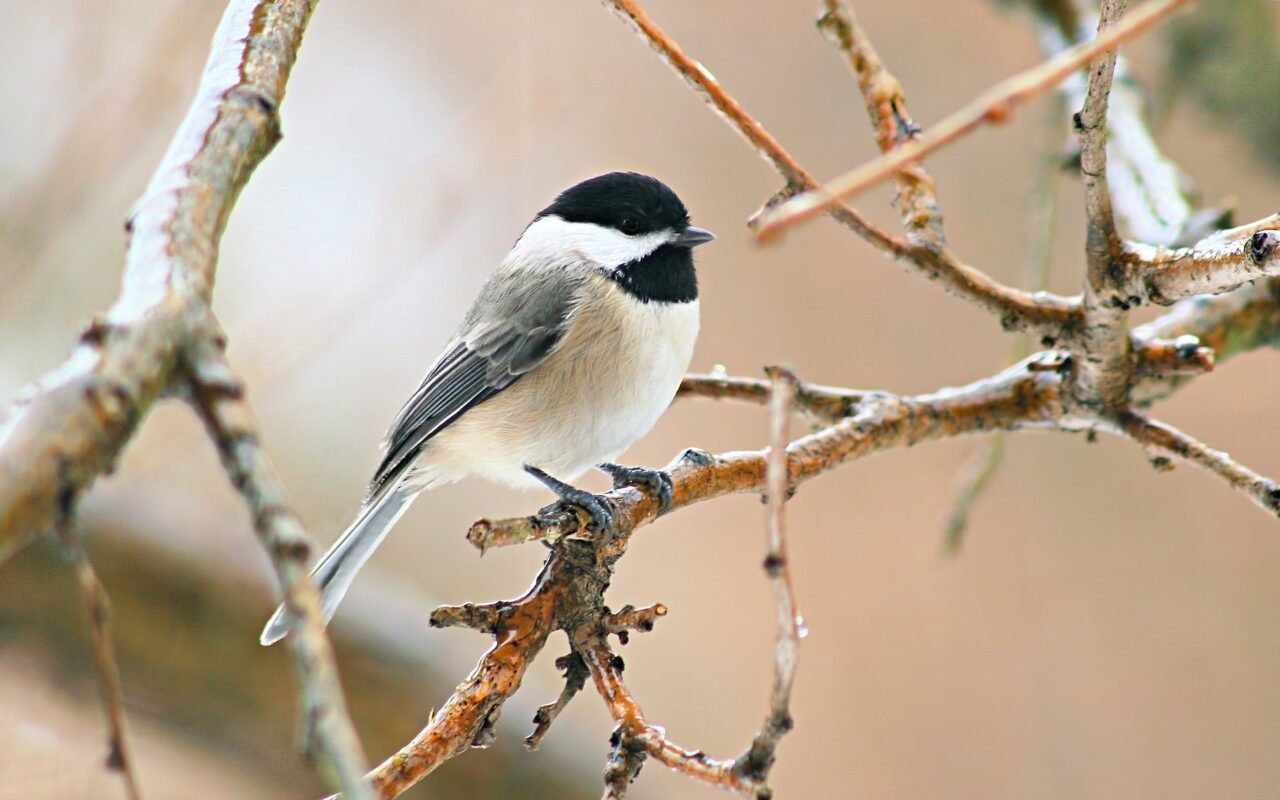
(598, 510)
(657, 482)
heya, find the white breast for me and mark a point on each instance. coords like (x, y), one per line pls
(605, 386)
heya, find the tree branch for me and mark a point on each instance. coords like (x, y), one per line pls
(159, 338)
(1016, 310)
(71, 427)
(994, 105)
(1219, 263)
(218, 397)
(757, 760)
(1101, 377)
(886, 107)
(119, 752)
(1166, 439)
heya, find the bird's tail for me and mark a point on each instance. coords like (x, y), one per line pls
(339, 566)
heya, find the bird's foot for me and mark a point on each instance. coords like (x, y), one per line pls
(598, 510)
(657, 482)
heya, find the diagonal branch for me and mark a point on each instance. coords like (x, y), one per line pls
(1164, 438)
(993, 105)
(886, 106)
(73, 425)
(1016, 310)
(119, 752)
(159, 336)
(219, 398)
(606, 672)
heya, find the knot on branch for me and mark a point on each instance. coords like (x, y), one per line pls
(630, 618)
(1262, 245)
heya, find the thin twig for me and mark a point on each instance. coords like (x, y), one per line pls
(975, 476)
(575, 677)
(758, 759)
(1166, 439)
(886, 106)
(218, 397)
(1016, 310)
(824, 403)
(119, 752)
(994, 105)
(606, 672)
(983, 463)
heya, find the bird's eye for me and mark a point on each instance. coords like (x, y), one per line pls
(629, 226)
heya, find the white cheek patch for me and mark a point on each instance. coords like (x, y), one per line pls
(552, 242)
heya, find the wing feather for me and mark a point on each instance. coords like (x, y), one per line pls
(483, 360)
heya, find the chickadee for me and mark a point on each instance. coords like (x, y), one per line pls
(573, 349)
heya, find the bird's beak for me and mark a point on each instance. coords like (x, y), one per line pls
(692, 237)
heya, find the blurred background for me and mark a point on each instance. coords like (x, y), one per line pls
(1107, 631)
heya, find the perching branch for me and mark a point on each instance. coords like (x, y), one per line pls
(159, 339)
(1040, 392)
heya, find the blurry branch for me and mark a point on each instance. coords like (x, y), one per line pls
(119, 752)
(994, 105)
(176, 678)
(1167, 440)
(159, 338)
(112, 120)
(984, 462)
(218, 397)
(1152, 195)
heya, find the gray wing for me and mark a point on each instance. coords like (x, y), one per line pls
(524, 317)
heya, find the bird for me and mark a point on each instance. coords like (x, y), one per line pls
(571, 351)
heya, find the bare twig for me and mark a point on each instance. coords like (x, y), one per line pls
(994, 105)
(218, 396)
(975, 476)
(119, 752)
(606, 672)
(575, 677)
(887, 108)
(1016, 310)
(160, 337)
(824, 403)
(758, 759)
(1166, 439)
(630, 618)
(983, 463)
